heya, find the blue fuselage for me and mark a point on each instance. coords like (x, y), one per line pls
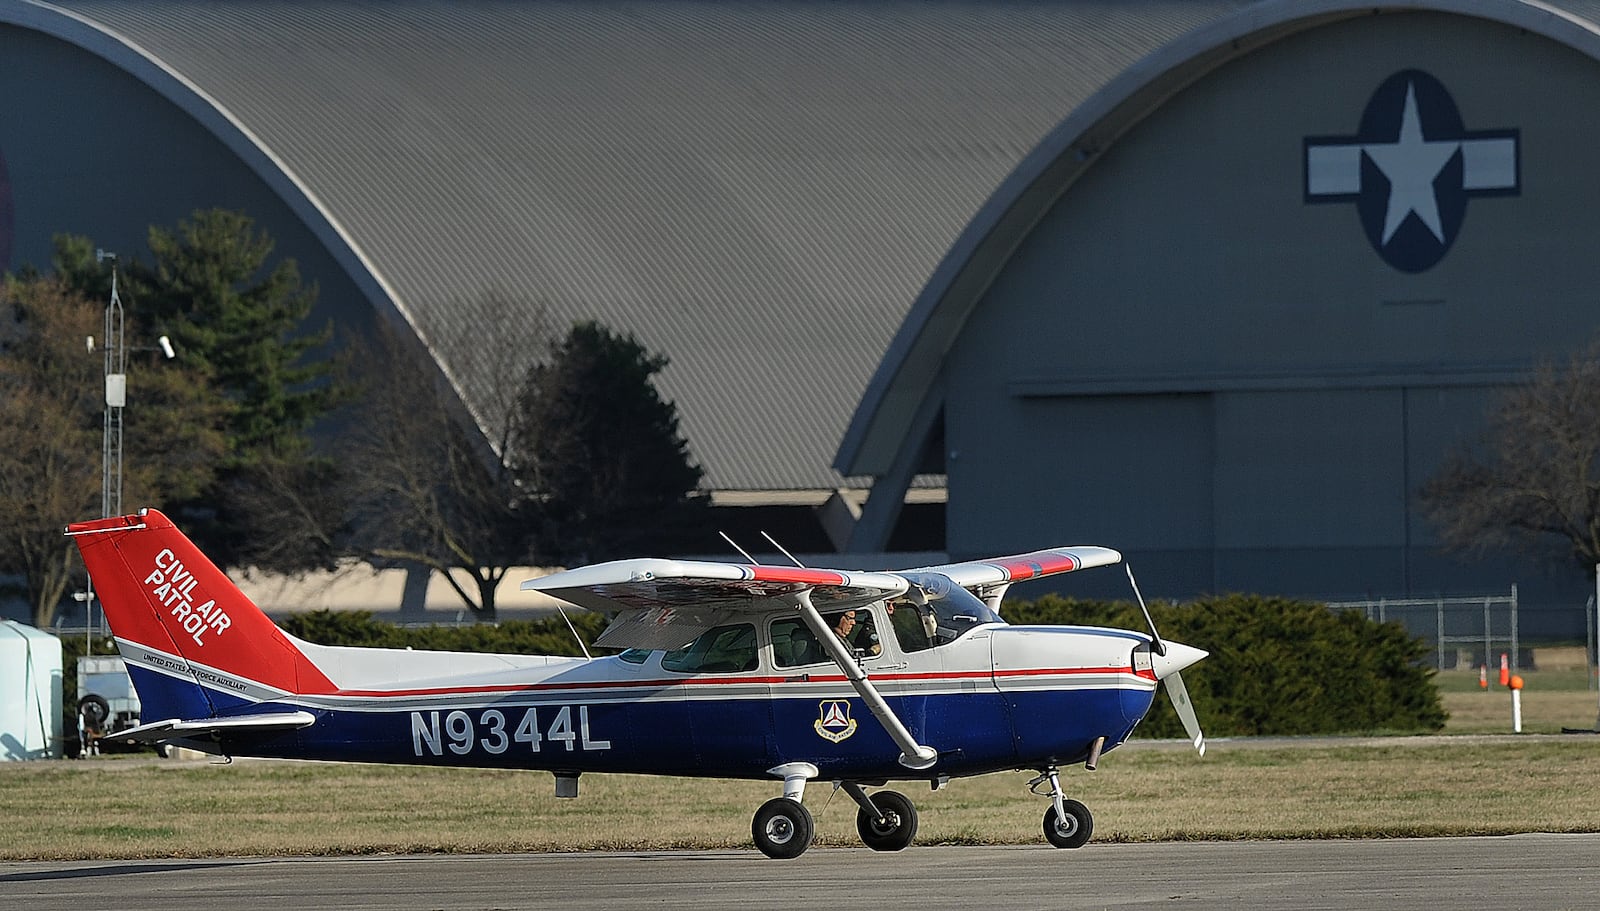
(1001, 698)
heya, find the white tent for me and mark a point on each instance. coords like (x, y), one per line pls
(30, 693)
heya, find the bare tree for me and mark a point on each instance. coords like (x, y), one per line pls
(424, 487)
(1534, 481)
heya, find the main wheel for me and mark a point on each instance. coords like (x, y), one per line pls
(96, 711)
(783, 828)
(897, 827)
(1071, 830)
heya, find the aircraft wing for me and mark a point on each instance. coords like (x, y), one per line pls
(988, 579)
(174, 729)
(667, 603)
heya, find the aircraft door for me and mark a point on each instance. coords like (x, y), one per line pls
(817, 715)
(728, 716)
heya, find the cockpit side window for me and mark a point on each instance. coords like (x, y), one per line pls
(720, 650)
(948, 613)
(914, 628)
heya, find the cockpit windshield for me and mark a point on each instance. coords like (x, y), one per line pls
(944, 612)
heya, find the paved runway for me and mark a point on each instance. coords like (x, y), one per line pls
(1544, 872)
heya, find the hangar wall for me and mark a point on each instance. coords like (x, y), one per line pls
(1196, 359)
(88, 149)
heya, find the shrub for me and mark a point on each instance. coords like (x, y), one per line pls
(1277, 666)
(512, 637)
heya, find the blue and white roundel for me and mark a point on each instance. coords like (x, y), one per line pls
(1411, 169)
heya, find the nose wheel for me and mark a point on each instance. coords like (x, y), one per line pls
(1067, 823)
(1070, 828)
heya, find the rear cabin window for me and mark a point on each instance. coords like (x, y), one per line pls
(721, 650)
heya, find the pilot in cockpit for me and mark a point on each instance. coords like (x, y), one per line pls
(855, 630)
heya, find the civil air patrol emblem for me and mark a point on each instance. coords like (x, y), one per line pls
(1410, 169)
(834, 722)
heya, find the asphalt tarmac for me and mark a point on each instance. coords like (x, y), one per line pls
(1544, 872)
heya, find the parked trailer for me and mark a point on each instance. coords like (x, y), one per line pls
(107, 701)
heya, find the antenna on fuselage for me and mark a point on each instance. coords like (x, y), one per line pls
(781, 550)
(742, 552)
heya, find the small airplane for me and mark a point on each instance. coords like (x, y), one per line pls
(744, 671)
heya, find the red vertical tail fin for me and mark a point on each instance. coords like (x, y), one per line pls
(200, 642)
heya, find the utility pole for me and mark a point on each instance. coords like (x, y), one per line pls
(116, 388)
(116, 374)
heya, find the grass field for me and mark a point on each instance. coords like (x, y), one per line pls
(1551, 700)
(1454, 784)
(143, 807)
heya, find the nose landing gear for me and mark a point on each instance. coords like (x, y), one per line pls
(1067, 823)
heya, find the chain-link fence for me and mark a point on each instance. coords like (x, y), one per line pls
(1471, 631)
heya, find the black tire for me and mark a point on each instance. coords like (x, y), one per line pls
(783, 828)
(96, 711)
(897, 827)
(1071, 830)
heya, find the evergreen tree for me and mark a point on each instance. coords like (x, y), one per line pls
(599, 451)
(242, 324)
(238, 323)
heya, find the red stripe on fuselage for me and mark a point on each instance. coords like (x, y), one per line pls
(665, 683)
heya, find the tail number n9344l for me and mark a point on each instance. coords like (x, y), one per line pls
(494, 732)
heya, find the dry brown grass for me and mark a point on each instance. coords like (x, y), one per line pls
(1551, 700)
(1247, 789)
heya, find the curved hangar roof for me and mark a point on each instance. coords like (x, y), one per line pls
(758, 190)
(904, 397)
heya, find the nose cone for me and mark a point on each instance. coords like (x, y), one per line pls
(1178, 657)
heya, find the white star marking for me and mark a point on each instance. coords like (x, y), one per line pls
(1411, 163)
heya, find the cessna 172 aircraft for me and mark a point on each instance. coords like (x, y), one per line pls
(730, 670)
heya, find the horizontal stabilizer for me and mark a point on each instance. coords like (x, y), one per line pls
(174, 729)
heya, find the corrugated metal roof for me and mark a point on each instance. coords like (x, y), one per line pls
(758, 190)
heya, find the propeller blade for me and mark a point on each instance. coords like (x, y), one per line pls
(1167, 659)
(1180, 701)
(1159, 647)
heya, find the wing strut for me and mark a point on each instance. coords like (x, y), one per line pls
(913, 755)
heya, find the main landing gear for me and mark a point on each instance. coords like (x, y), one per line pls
(783, 827)
(1067, 823)
(887, 820)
